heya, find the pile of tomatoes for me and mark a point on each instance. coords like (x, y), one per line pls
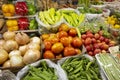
(61, 44)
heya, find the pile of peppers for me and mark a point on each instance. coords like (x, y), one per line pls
(23, 8)
(23, 23)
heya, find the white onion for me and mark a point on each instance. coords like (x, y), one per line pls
(16, 61)
(7, 64)
(9, 35)
(23, 49)
(3, 56)
(22, 38)
(35, 40)
(10, 45)
(34, 46)
(31, 56)
(14, 52)
(2, 42)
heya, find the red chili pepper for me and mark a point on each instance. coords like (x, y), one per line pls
(23, 23)
(21, 8)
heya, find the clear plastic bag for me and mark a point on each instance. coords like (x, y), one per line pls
(24, 71)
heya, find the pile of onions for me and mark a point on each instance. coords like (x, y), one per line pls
(31, 56)
(9, 35)
(10, 45)
(22, 38)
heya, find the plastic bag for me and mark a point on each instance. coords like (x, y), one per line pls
(24, 71)
(63, 59)
(7, 75)
(48, 28)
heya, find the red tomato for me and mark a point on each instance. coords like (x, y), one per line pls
(63, 34)
(45, 36)
(64, 27)
(57, 48)
(77, 42)
(78, 51)
(65, 41)
(70, 39)
(69, 51)
(72, 32)
(48, 45)
(54, 40)
(59, 56)
(48, 55)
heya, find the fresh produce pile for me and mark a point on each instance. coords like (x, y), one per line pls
(110, 66)
(71, 39)
(49, 17)
(61, 44)
(43, 72)
(114, 22)
(19, 8)
(22, 23)
(114, 25)
(79, 68)
(18, 49)
(72, 18)
(96, 39)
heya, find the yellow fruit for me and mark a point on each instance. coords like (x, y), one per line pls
(9, 23)
(117, 26)
(7, 14)
(13, 28)
(112, 22)
(5, 8)
(15, 22)
(11, 8)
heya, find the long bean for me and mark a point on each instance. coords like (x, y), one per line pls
(111, 68)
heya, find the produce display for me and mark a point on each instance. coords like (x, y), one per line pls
(8, 9)
(60, 39)
(81, 68)
(114, 22)
(72, 17)
(43, 72)
(22, 23)
(50, 16)
(61, 44)
(114, 25)
(96, 39)
(18, 49)
(19, 8)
